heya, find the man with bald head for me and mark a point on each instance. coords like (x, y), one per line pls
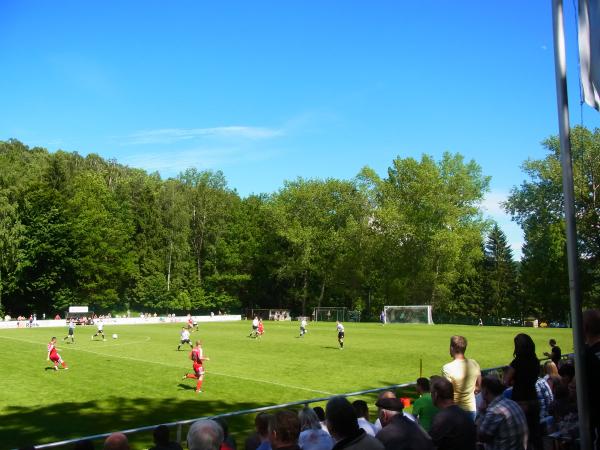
(116, 441)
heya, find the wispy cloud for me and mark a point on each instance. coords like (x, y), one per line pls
(172, 135)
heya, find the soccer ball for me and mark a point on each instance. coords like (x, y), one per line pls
(115, 336)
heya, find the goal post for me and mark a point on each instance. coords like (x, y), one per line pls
(408, 314)
(329, 314)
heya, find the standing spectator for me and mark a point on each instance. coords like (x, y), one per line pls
(342, 423)
(591, 332)
(399, 432)
(502, 425)
(452, 427)
(205, 434)
(162, 439)
(464, 374)
(543, 389)
(555, 352)
(362, 412)
(312, 436)
(116, 441)
(522, 375)
(284, 429)
(423, 407)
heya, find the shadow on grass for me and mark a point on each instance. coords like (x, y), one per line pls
(69, 420)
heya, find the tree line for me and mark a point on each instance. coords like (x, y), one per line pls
(86, 230)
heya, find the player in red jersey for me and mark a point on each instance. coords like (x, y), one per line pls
(54, 356)
(197, 357)
(261, 328)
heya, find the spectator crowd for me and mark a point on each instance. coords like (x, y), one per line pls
(526, 407)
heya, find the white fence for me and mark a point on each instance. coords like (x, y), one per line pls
(122, 321)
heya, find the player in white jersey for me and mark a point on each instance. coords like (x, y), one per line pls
(185, 338)
(71, 332)
(302, 327)
(254, 332)
(340, 331)
(100, 331)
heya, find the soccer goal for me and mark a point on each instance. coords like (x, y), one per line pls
(329, 314)
(408, 314)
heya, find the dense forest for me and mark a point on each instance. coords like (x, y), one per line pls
(78, 230)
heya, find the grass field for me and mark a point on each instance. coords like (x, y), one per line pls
(135, 380)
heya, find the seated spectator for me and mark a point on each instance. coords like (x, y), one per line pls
(260, 439)
(398, 432)
(383, 394)
(362, 412)
(312, 436)
(228, 441)
(502, 424)
(452, 427)
(116, 441)
(423, 407)
(205, 434)
(162, 439)
(284, 429)
(320, 412)
(562, 405)
(342, 423)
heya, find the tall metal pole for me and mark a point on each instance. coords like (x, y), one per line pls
(560, 69)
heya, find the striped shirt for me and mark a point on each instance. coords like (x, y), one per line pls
(505, 422)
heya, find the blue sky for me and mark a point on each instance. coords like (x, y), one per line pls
(271, 90)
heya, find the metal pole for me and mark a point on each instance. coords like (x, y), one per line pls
(560, 69)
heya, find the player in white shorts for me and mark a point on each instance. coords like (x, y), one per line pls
(185, 338)
(100, 331)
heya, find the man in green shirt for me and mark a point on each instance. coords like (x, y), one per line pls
(423, 408)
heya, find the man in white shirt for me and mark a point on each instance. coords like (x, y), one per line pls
(302, 327)
(254, 332)
(464, 374)
(100, 331)
(185, 338)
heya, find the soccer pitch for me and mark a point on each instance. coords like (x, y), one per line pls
(136, 380)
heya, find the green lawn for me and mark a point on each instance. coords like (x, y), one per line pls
(136, 380)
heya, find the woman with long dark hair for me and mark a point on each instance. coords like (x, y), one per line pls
(522, 375)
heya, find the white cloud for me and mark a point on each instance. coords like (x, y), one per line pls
(171, 135)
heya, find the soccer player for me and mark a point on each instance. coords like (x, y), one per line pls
(100, 331)
(195, 323)
(340, 330)
(303, 327)
(71, 331)
(254, 331)
(261, 328)
(185, 338)
(197, 357)
(54, 356)
(190, 322)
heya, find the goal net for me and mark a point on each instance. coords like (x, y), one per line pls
(329, 314)
(408, 314)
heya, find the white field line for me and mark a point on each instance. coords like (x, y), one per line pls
(145, 361)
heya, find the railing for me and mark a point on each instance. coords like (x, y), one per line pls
(180, 424)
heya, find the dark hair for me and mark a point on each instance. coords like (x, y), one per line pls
(320, 412)
(567, 370)
(493, 385)
(423, 383)
(442, 388)
(341, 417)
(524, 347)
(458, 344)
(86, 444)
(286, 425)
(161, 434)
(224, 425)
(552, 342)
(591, 322)
(361, 408)
(261, 422)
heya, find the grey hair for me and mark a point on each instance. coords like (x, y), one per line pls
(205, 434)
(308, 419)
